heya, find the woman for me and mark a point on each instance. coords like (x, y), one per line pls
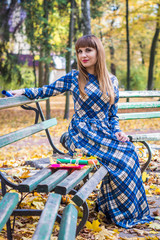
(94, 129)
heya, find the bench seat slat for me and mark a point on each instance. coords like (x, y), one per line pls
(68, 223)
(143, 115)
(26, 132)
(71, 181)
(136, 94)
(47, 218)
(131, 105)
(16, 101)
(50, 183)
(81, 196)
(31, 183)
(146, 137)
(7, 205)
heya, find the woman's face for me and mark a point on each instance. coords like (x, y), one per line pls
(88, 58)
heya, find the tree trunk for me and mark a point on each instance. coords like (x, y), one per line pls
(142, 52)
(69, 55)
(113, 67)
(47, 54)
(86, 18)
(128, 46)
(41, 71)
(153, 52)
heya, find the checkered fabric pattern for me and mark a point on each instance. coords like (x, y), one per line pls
(92, 129)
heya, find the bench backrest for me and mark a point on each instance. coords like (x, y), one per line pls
(152, 106)
(25, 132)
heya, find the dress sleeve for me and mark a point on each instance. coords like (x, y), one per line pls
(61, 85)
(113, 118)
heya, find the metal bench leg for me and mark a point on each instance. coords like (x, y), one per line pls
(149, 156)
(84, 218)
(9, 231)
(145, 165)
(85, 214)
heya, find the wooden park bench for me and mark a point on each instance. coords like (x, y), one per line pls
(141, 110)
(61, 182)
(54, 183)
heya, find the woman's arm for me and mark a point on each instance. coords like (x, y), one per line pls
(59, 86)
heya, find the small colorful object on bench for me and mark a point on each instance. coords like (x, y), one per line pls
(6, 93)
(78, 161)
(66, 166)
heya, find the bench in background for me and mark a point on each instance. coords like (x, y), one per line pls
(141, 110)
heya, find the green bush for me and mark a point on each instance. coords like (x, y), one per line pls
(27, 78)
(138, 78)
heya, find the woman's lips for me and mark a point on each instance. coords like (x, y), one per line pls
(84, 61)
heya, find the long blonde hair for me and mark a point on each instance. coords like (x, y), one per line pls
(100, 67)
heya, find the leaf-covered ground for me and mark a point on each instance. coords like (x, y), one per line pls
(14, 156)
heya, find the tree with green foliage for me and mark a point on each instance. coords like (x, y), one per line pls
(153, 50)
(9, 69)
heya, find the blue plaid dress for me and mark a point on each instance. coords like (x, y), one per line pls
(92, 129)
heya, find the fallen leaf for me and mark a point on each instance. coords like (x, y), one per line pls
(156, 213)
(93, 226)
(145, 176)
(155, 226)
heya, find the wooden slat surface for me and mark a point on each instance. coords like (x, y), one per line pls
(137, 105)
(7, 205)
(139, 115)
(26, 132)
(45, 225)
(89, 186)
(71, 181)
(16, 101)
(146, 137)
(68, 223)
(136, 94)
(50, 183)
(31, 183)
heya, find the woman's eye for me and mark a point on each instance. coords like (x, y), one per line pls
(88, 50)
(79, 51)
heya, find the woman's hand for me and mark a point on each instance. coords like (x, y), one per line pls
(17, 93)
(121, 136)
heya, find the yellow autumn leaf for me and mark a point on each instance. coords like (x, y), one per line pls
(153, 232)
(25, 174)
(144, 176)
(38, 205)
(106, 234)
(93, 226)
(157, 191)
(155, 226)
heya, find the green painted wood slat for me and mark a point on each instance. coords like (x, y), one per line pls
(136, 105)
(71, 181)
(139, 115)
(26, 132)
(17, 101)
(7, 205)
(47, 219)
(68, 223)
(136, 94)
(50, 183)
(83, 193)
(146, 137)
(31, 183)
